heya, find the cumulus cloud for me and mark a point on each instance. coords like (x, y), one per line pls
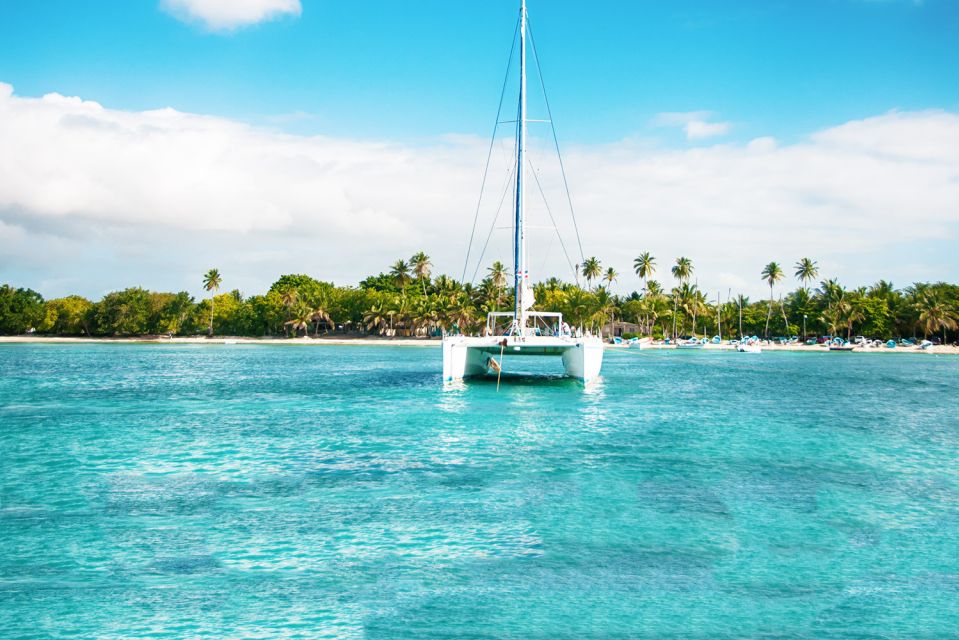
(225, 15)
(695, 124)
(93, 198)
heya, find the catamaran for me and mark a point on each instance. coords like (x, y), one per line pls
(522, 332)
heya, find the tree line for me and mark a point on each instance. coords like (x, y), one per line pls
(407, 300)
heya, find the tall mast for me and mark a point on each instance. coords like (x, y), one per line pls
(520, 273)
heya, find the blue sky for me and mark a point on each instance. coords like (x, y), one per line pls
(401, 70)
(143, 142)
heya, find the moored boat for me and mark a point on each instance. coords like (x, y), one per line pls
(838, 344)
(522, 332)
(692, 343)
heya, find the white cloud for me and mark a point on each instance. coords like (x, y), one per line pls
(695, 124)
(697, 130)
(224, 15)
(93, 198)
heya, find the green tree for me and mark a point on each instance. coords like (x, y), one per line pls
(610, 277)
(935, 313)
(683, 270)
(645, 267)
(832, 298)
(68, 316)
(806, 271)
(772, 273)
(420, 262)
(592, 269)
(172, 316)
(124, 313)
(400, 272)
(877, 320)
(302, 317)
(211, 282)
(20, 310)
(498, 277)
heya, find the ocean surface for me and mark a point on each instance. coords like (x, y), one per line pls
(292, 492)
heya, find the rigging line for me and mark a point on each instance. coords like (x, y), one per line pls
(499, 211)
(507, 184)
(551, 218)
(552, 126)
(489, 155)
(549, 249)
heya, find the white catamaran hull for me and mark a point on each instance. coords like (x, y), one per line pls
(469, 357)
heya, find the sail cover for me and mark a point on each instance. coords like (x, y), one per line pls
(529, 297)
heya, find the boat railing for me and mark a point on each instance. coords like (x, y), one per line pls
(542, 323)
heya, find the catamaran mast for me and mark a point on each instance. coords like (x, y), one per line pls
(520, 273)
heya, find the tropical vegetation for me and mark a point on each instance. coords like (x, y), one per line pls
(409, 300)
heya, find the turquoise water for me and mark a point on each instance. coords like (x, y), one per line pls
(226, 492)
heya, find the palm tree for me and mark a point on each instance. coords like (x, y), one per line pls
(461, 311)
(400, 271)
(882, 289)
(831, 292)
(319, 315)
(772, 273)
(935, 314)
(424, 314)
(421, 268)
(447, 284)
(604, 308)
(833, 316)
(379, 317)
(699, 306)
(498, 278)
(691, 301)
(302, 317)
(289, 298)
(800, 303)
(645, 266)
(211, 282)
(853, 312)
(592, 269)
(610, 277)
(833, 295)
(498, 274)
(578, 307)
(683, 270)
(655, 305)
(806, 270)
(553, 284)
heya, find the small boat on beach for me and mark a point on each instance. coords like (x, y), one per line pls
(749, 345)
(838, 344)
(692, 343)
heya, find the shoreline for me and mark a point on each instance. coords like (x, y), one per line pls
(367, 341)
